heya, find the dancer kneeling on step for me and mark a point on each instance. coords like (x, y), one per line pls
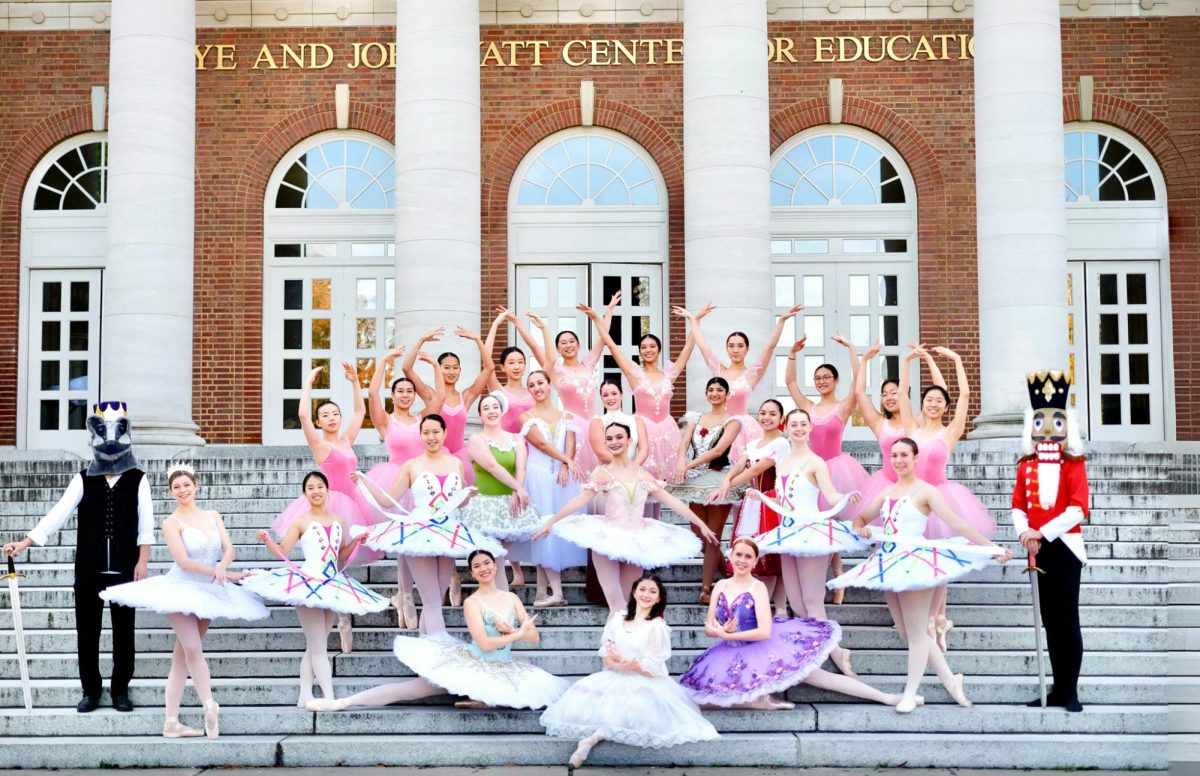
(758, 656)
(484, 670)
(910, 565)
(633, 700)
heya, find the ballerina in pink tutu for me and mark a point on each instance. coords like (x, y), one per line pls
(334, 454)
(400, 431)
(573, 376)
(652, 391)
(742, 377)
(512, 368)
(937, 440)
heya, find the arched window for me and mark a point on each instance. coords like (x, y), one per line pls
(76, 179)
(835, 168)
(1118, 285)
(329, 227)
(1100, 168)
(340, 174)
(844, 245)
(588, 170)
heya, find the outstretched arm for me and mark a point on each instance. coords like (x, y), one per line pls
(627, 367)
(906, 417)
(547, 343)
(957, 426)
(486, 366)
(311, 435)
(489, 347)
(872, 416)
(535, 349)
(410, 360)
(768, 352)
(360, 406)
(793, 386)
(845, 407)
(605, 322)
(697, 333)
(379, 416)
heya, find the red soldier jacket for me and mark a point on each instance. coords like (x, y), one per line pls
(1063, 516)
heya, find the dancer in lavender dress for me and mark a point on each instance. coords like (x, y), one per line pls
(758, 656)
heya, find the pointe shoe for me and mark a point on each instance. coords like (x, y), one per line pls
(843, 664)
(838, 596)
(549, 602)
(455, 590)
(469, 704)
(779, 704)
(906, 705)
(173, 729)
(408, 611)
(325, 704)
(780, 613)
(304, 701)
(941, 627)
(518, 579)
(957, 692)
(580, 755)
(212, 721)
(346, 633)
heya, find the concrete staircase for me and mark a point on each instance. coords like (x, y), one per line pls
(1138, 658)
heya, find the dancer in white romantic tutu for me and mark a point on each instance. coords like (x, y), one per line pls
(633, 700)
(551, 482)
(907, 563)
(622, 540)
(807, 535)
(318, 587)
(430, 535)
(192, 594)
(484, 670)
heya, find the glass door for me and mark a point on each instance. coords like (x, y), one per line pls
(552, 291)
(640, 311)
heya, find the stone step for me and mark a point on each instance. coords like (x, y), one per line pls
(284, 661)
(439, 720)
(1183, 718)
(682, 616)
(914, 750)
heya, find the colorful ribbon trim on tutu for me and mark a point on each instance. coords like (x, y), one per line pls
(296, 579)
(932, 557)
(836, 533)
(402, 525)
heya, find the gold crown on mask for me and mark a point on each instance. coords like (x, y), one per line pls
(1048, 389)
(111, 410)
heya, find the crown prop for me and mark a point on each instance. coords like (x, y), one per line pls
(181, 467)
(1048, 389)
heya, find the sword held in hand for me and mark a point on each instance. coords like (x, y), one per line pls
(14, 597)
(1033, 571)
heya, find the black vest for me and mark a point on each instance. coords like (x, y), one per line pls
(107, 525)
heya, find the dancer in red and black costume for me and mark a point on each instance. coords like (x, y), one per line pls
(1050, 502)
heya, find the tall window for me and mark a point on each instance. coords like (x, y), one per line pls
(843, 244)
(330, 267)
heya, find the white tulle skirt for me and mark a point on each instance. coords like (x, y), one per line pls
(650, 544)
(628, 708)
(451, 664)
(915, 563)
(291, 584)
(178, 592)
(427, 537)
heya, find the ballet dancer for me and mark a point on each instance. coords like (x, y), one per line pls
(611, 396)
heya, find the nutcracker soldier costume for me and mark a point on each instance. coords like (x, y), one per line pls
(115, 528)
(1050, 502)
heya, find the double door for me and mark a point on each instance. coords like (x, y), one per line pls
(553, 290)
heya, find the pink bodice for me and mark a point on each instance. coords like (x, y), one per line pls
(654, 398)
(576, 388)
(826, 437)
(887, 438)
(403, 441)
(337, 467)
(623, 504)
(456, 426)
(932, 460)
(510, 421)
(740, 387)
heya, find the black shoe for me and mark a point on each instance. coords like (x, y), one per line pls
(1073, 706)
(122, 703)
(1051, 702)
(87, 703)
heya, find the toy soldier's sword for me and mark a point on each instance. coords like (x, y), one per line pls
(14, 598)
(1037, 624)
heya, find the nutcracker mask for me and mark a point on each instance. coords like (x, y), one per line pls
(112, 447)
(1051, 426)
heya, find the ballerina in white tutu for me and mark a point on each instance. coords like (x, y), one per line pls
(633, 700)
(192, 594)
(318, 588)
(622, 540)
(912, 566)
(484, 670)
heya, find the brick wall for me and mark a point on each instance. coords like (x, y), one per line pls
(247, 119)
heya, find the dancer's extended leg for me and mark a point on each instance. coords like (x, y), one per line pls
(608, 572)
(316, 634)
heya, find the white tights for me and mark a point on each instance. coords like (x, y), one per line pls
(616, 579)
(187, 658)
(914, 608)
(315, 664)
(804, 579)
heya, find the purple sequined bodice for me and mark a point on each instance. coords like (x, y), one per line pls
(742, 608)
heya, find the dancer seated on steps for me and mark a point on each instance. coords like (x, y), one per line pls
(633, 700)
(484, 670)
(758, 656)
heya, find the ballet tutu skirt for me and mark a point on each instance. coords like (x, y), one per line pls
(699, 483)
(461, 670)
(749, 432)
(733, 672)
(547, 497)
(810, 534)
(178, 592)
(663, 438)
(623, 534)
(753, 519)
(906, 560)
(966, 505)
(316, 582)
(626, 707)
(847, 476)
(429, 531)
(491, 516)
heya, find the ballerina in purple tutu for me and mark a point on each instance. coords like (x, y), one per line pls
(937, 440)
(333, 451)
(757, 656)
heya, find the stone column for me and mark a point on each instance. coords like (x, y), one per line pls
(726, 158)
(1020, 210)
(437, 173)
(146, 352)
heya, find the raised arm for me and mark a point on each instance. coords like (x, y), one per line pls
(802, 401)
(872, 416)
(311, 435)
(958, 426)
(547, 343)
(379, 416)
(605, 322)
(627, 367)
(360, 406)
(489, 346)
(410, 360)
(845, 406)
(935, 372)
(486, 366)
(697, 334)
(768, 352)
(906, 416)
(535, 349)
